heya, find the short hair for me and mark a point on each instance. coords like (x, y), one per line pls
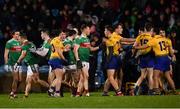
(23, 35)
(115, 26)
(45, 30)
(71, 32)
(83, 26)
(148, 26)
(109, 28)
(13, 31)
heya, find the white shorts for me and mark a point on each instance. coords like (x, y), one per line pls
(10, 68)
(29, 70)
(85, 65)
(71, 67)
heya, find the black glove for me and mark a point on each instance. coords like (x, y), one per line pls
(79, 64)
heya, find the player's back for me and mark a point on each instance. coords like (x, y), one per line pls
(56, 43)
(142, 40)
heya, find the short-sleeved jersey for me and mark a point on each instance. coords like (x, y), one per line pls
(70, 56)
(84, 49)
(159, 45)
(143, 39)
(14, 48)
(47, 45)
(114, 41)
(56, 43)
(30, 58)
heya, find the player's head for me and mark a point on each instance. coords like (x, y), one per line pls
(162, 32)
(15, 34)
(118, 28)
(44, 34)
(71, 33)
(23, 36)
(62, 34)
(141, 30)
(148, 27)
(85, 29)
(108, 30)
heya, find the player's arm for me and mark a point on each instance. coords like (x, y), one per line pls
(60, 53)
(171, 51)
(6, 52)
(93, 48)
(141, 47)
(42, 51)
(127, 40)
(75, 50)
(22, 56)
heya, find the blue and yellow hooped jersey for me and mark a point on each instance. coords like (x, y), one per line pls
(142, 40)
(114, 41)
(58, 44)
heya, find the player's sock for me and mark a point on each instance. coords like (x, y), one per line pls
(136, 90)
(78, 94)
(61, 91)
(150, 92)
(86, 92)
(119, 93)
(105, 93)
(51, 91)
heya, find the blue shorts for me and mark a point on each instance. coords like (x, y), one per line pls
(147, 61)
(162, 63)
(114, 63)
(56, 63)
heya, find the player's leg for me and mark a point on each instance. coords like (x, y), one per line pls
(35, 71)
(140, 79)
(51, 75)
(110, 74)
(59, 75)
(80, 84)
(28, 85)
(150, 80)
(85, 73)
(170, 80)
(106, 87)
(156, 77)
(14, 83)
(75, 79)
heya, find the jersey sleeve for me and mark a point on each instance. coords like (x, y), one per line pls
(8, 45)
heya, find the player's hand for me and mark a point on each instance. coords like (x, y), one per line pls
(174, 58)
(16, 67)
(32, 50)
(79, 64)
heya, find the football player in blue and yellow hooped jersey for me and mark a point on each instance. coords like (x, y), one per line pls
(162, 62)
(56, 62)
(170, 52)
(146, 58)
(113, 44)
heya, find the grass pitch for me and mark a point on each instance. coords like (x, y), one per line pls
(41, 100)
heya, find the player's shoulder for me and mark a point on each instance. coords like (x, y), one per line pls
(55, 40)
(11, 41)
